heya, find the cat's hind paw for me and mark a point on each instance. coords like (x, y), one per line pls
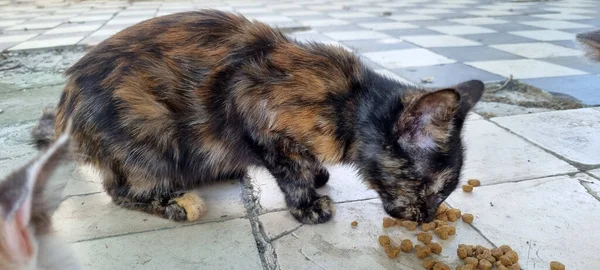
(187, 207)
(320, 211)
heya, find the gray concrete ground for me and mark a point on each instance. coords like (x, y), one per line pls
(539, 166)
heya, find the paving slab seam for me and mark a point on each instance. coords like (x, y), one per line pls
(82, 194)
(176, 226)
(266, 251)
(579, 166)
(571, 174)
(586, 185)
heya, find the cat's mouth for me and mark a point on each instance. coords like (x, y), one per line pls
(411, 213)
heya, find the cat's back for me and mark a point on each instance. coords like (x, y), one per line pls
(161, 66)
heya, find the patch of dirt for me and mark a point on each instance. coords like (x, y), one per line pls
(514, 97)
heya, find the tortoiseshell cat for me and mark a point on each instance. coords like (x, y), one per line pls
(591, 42)
(180, 100)
(28, 198)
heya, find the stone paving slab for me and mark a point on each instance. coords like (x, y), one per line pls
(336, 245)
(82, 218)
(495, 156)
(572, 134)
(217, 245)
(543, 220)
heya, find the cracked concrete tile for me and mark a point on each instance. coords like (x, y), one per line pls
(494, 156)
(572, 134)
(221, 245)
(344, 185)
(543, 220)
(336, 245)
(86, 217)
(595, 172)
(276, 224)
(84, 180)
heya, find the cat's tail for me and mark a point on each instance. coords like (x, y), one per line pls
(42, 134)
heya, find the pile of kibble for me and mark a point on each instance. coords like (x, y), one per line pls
(474, 257)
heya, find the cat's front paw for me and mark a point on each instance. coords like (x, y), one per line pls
(319, 211)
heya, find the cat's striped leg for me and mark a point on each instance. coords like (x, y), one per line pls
(297, 173)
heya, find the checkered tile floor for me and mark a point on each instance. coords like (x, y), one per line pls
(449, 40)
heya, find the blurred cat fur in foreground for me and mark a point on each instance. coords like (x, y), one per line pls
(28, 198)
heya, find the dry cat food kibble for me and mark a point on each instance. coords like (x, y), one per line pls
(354, 223)
(428, 226)
(503, 257)
(453, 214)
(467, 188)
(424, 237)
(468, 218)
(389, 222)
(440, 266)
(391, 251)
(465, 267)
(422, 251)
(435, 248)
(554, 265)
(384, 240)
(406, 245)
(428, 263)
(410, 225)
(474, 182)
(444, 231)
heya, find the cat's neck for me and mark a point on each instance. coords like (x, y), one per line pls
(373, 112)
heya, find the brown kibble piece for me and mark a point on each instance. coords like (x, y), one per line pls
(505, 248)
(465, 267)
(441, 266)
(462, 253)
(425, 237)
(497, 253)
(442, 209)
(451, 216)
(406, 245)
(554, 265)
(354, 223)
(515, 266)
(513, 256)
(472, 261)
(455, 211)
(451, 230)
(501, 267)
(388, 222)
(442, 232)
(428, 226)
(479, 249)
(428, 263)
(440, 223)
(474, 182)
(384, 240)
(485, 265)
(467, 188)
(443, 217)
(422, 251)
(467, 218)
(435, 248)
(391, 252)
(505, 260)
(410, 225)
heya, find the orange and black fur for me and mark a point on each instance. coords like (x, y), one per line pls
(189, 98)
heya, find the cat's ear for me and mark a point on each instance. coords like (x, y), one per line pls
(26, 195)
(425, 122)
(591, 43)
(470, 92)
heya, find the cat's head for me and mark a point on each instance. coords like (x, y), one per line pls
(28, 198)
(421, 162)
(591, 42)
